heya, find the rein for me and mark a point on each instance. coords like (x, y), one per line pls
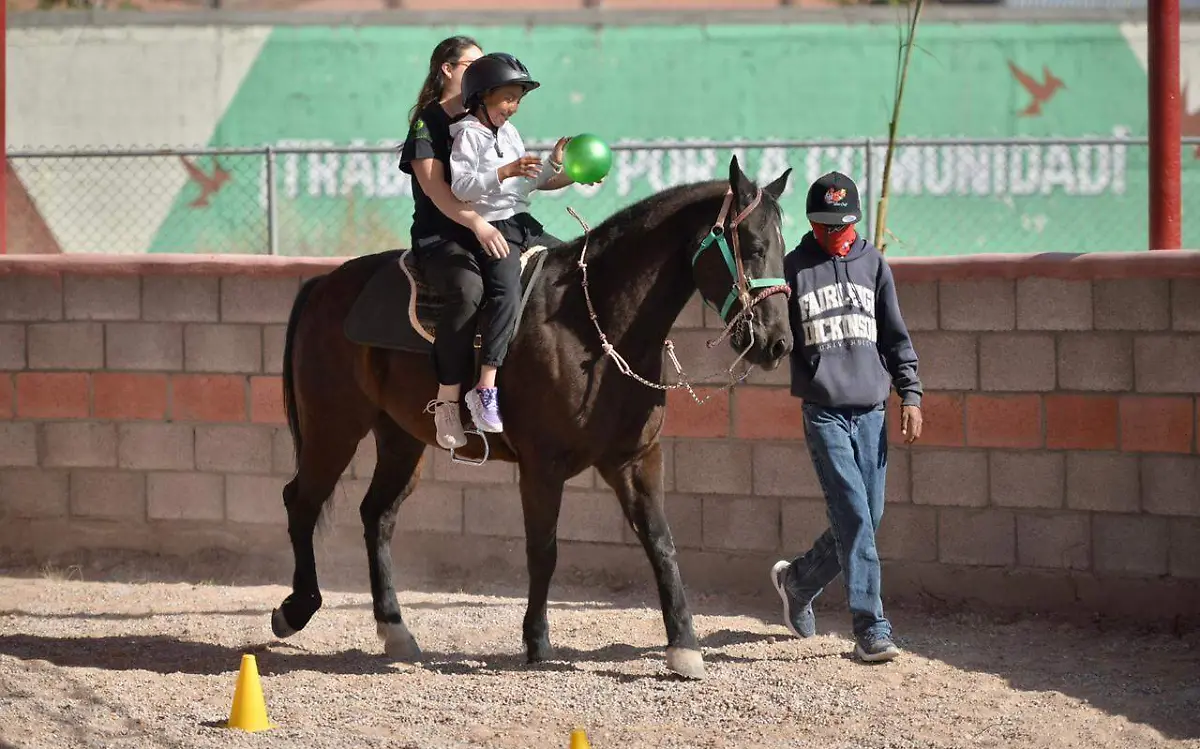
(740, 290)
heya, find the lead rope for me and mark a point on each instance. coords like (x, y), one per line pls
(623, 365)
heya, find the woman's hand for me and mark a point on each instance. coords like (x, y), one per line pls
(491, 240)
(526, 166)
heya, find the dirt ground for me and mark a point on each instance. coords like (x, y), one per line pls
(129, 662)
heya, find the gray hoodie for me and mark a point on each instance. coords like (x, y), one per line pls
(851, 344)
(476, 156)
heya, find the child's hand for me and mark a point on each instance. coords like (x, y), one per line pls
(526, 166)
(557, 154)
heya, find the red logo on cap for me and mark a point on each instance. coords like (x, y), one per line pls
(834, 196)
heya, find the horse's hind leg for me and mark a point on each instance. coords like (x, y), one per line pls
(397, 470)
(638, 484)
(324, 455)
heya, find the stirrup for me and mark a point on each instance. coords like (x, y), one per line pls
(468, 461)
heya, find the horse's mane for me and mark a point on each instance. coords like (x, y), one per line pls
(650, 212)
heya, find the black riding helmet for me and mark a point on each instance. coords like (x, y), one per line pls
(491, 71)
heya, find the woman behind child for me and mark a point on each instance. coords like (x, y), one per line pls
(491, 171)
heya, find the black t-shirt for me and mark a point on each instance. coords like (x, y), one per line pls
(429, 138)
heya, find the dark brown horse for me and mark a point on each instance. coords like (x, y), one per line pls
(566, 400)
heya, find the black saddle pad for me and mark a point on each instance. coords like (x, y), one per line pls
(397, 309)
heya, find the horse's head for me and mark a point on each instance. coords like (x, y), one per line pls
(738, 269)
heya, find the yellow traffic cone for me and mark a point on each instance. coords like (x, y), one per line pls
(579, 739)
(249, 711)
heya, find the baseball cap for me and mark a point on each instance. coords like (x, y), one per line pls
(833, 199)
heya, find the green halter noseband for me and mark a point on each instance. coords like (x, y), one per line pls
(742, 284)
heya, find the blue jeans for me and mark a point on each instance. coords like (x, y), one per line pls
(849, 452)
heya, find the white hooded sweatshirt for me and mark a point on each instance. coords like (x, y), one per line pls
(473, 169)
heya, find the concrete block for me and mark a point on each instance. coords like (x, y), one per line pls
(491, 472)
(1133, 304)
(1185, 304)
(1164, 424)
(1102, 481)
(144, 346)
(948, 361)
(256, 299)
(784, 470)
(66, 345)
(1052, 304)
(151, 446)
(950, 477)
(767, 413)
(1184, 553)
(1056, 541)
(591, 516)
(30, 298)
(741, 523)
(1171, 484)
(908, 533)
(1028, 479)
(899, 477)
(1004, 421)
(79, 444)
(185, 496)
(433, 507)
(102, 297)
(1081, 422)
(208, 397)
(233, 449)
(1167, 363)
(714, 467)
(1130, 544)
(255, 499)
(33, 493)
(685, 517)
(978, 305)
(122, 396)
(686, 418)
(919, 305)
(180, 299)
(1017, 362)
(493, 511)
(272, 348)
(1095, 361)
(18, 443)
(985, 538)
(113, 495)
(12, 347)
(222, 348)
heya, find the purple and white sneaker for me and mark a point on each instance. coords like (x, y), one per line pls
(485, 409)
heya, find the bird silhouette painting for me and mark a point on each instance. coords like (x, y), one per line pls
(1041, 92)
(209, 184)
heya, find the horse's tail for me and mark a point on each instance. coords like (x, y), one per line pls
(289, 392)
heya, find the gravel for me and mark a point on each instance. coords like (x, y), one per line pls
(153, 664)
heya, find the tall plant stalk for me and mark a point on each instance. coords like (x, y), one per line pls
(906, 48)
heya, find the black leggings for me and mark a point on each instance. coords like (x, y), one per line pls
(467, 278)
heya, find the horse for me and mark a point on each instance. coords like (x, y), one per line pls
(581, 387)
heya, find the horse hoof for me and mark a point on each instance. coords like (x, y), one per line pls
(398, 642)
(686, 662)
(280, 626)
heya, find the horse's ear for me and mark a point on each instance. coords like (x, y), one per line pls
(776, 188)
(737, 179)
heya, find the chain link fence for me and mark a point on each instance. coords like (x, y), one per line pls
(947, 197)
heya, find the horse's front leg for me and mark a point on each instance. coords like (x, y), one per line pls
(638, 484)
(541, 500)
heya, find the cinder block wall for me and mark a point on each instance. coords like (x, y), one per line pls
(140, 408)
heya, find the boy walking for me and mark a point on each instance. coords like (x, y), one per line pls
(852, 347)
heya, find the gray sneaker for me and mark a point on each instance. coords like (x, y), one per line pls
(449, 426)
(797, 614)
(874, 648)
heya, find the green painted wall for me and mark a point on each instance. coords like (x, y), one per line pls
(343, 86)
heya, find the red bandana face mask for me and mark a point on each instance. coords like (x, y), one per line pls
(836, 242)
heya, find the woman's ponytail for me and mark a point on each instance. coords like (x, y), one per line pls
(447, 51)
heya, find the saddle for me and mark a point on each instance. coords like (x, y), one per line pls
(397, 308)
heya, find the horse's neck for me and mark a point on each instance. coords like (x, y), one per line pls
(641, 283)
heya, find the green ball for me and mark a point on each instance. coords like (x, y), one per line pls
(587, 159)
